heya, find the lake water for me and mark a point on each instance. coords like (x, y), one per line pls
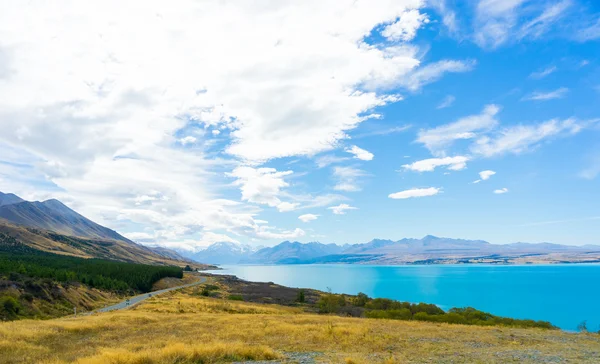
(565, 295)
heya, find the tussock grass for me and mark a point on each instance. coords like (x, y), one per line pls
(179, 328)
(183, 354)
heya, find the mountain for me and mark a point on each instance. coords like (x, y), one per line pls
(427, 250)
(53, 227)
(222, 253)
(55, 216)
(292, 252)
(9, 198)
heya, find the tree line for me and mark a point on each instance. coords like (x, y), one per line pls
(17, 259)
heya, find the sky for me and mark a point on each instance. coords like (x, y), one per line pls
(195, 122)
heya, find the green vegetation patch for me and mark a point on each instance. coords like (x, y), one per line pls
(17, 259)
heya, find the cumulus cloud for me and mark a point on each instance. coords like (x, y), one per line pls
(414, 193)
(127, 86)
(262, 186)
(441, 137)
(545, 96)
(360, 153)
(428, 165)
(484, 176)
(405, 28)
(341, 209)
(347, 178)
(501, 191)
(308, 217)
(188, 140)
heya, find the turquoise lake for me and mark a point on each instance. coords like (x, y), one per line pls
(565, 295)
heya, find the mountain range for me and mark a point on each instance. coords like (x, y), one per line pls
(427, 250)
(54, 227)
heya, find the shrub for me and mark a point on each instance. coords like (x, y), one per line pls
(236, 297)
(360, 300)
(330, 303)
(10, 306)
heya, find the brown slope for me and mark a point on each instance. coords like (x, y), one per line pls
(88, 248)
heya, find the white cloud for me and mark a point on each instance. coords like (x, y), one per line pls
(446, 102)
(308, 217)
(382, 131)
(536, 27)
(501, 191)
(415, 192)
(437, 139)
(433, 72)
(262, 186)
(521, 138)
(485, 175)
(428, 165)
(360, 153)
(326, 160)
(449, 18)
(287, 206)
(405, 28)
(543, 73)
(544, 96)
(498, 22)
(187, 140)
(347, 178)
(341, 209)
(128, 83)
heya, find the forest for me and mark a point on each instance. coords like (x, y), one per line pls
(18, 260)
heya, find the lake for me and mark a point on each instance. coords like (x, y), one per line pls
(565, 294)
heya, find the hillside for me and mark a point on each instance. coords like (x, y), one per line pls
(51, 226)
(55, 216)
(188, 327)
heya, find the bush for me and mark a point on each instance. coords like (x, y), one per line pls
(236, 297)
(360, 300)
(10, 306)
(330, 303)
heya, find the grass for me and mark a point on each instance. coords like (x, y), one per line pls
(169, 328)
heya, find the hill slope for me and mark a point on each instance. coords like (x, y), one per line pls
(9, 198)
(51, 226)
(54, 215)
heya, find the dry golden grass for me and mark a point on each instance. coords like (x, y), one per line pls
(179, 328)
(169, 282)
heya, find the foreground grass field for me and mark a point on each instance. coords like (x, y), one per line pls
(182, 327)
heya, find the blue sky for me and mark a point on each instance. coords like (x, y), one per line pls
(331, 121)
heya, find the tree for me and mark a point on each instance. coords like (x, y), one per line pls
(300, 298)
(361, 299)
(582, 327)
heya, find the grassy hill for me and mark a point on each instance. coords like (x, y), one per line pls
(36, 283)
(53, 242)
(192, 326)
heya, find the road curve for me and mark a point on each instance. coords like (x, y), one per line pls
(139, 298)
